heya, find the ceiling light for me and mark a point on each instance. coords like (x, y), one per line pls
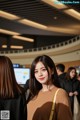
(8, 15)
(55, 18)
(16, 47)
(75, 26)
(4, 46)
(23, 38)
(55, 3)
(63, 30)
(8, 32)
(73, 13)
(32, 24)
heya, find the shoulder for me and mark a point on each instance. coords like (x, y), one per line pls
(62, 97)
(62, 91)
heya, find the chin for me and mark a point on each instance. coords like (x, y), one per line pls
(43, 82)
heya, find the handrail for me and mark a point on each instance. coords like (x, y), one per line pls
(44, 48)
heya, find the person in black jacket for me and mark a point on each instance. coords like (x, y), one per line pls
(60, 68)
(72, 85)
(12, 96)
(27, 90)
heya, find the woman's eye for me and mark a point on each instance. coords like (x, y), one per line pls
(43, 69)
(35, 71)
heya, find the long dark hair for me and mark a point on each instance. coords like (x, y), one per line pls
(8, 85)
(68, 73)
(35, 86)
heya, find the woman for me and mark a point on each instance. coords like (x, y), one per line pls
(43, 86)
(72, 85)
(12, 97)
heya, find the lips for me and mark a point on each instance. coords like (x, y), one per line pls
(41, 78)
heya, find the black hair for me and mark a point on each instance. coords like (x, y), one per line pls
(68, 73)
(61, 67)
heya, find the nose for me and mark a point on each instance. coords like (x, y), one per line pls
(40, 73)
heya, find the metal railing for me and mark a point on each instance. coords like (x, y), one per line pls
(77, 38)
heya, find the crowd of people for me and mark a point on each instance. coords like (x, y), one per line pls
(50, 91)
(69, 82)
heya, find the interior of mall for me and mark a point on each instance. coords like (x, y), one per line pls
(29, 28)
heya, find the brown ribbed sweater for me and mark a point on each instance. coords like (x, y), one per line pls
(39, 108)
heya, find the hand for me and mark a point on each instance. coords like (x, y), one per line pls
(71, 93)
(75, 93)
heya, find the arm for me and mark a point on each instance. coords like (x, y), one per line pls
(63, 108)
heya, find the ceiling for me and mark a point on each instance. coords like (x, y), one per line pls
(57, 21)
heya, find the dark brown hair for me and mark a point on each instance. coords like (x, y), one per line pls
(68, 73)
(8, 85)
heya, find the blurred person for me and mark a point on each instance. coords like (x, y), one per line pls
(60, 68)
(27, 91)
(26, 85)
(12, 96)
(78, 76)
(44, 86)
(72, 85)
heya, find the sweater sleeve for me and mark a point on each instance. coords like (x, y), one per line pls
(63, 108)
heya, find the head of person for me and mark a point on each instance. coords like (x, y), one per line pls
(60, 68)
(43, 71)
(8, 85)
(71, 73)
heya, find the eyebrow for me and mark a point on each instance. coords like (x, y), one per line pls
(41, 68)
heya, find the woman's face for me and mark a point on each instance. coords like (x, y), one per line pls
(72, 73)
(41, 74)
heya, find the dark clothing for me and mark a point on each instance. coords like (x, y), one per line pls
(72, 85)
(61, 79)
(27, 91)
(16, 106)
(26, 85)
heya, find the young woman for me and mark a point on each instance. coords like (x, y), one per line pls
(43, 86)
(72, 85)
(12, 97)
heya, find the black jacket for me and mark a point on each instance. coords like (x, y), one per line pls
(61, 79)
(15, 106)
(72, 85)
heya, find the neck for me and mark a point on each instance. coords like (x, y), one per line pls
(47, 87)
